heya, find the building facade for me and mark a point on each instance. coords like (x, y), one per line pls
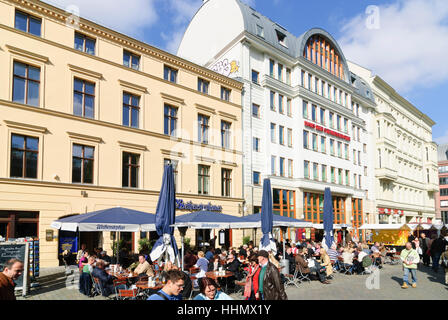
(405, 156)
(305, 115)
(442, 194)
(89, 119)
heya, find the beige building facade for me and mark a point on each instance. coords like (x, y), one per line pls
(88, 119)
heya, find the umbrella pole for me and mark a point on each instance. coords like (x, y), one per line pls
(182, 255)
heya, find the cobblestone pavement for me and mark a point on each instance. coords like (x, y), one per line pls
(55, 286)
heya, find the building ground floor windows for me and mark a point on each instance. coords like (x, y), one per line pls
(19, 224)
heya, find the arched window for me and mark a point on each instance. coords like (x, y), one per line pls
(320, 51)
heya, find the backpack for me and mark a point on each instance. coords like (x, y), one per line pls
(366, 262)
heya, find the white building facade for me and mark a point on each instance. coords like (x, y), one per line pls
(306, 118)
(405, 156)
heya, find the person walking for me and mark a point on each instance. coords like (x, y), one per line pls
(424, 244)
(13, 270)
(270, 286)
(410, 258)
(437, 248)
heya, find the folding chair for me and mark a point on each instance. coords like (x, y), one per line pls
(346, 268)
(301, 276)
(292, 278)
(119, 285)
(127, 294)
(240, 285)
(97, 290)
(193, 288)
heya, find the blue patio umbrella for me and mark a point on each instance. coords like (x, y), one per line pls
(267, 242)
(328, 218)
(165, 218)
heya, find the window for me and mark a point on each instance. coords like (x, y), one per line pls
(282, 167)
(335, 93)
(131, 60)
(273, 133)
(443, 181)
(332, 147)
(444, 192)
(347, 178)
(256, 146)
(316, 85)
(288, 108)
(360, 184)
(225, 94)
(359, 157)
(290, 168)
(281, 135)
(84, 98)
(288, 76)
(281, 108)
(170, 120)
(315, 148)
(290, 138)
(28, 23)
(271, 67)
(255, 76)
(84, 43)
(346, 126)
(314, 113)
(175, 165)
(226, 184)
(331, 117)
(359, 134)
(346, 151)
(302, 79)
(365, 171)
(272, 100)
(26, 84)
(323, 142)
(333, 180)
(24, 155)
(340, 176)
(305, 139)
(309, 81)
(225, 134)
(170, 74)
(322, 88)
(306, 169)
(260, 31)
(281, 38)
(329, 91)
(338, 122)
(354, 156)
(379, 158)
(203, 180)
(280, 72)
(273, 165)
(131, 169)
(324, 173)
(131, 110)
(256, 178)
(305, 109)
(203, 126)
(340, 149)
(315, 171)
(203, 85)
(322, 116)
(82, 164)
(256, 110)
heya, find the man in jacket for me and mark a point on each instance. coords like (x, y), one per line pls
(106, 280)
(424, 244)
(13, 270)
(270, 285)
(410, 258)
(437, 248)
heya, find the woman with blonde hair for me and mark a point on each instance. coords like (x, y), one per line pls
(202, 264)
(326, 262)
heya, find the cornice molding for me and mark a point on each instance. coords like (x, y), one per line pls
(86, 72)
(227, 115)
(80, 136)
(172, 98)
(27, 54)
(25, 126)
(172, 153)
(133, 86)
(132, 146)
(205, 109)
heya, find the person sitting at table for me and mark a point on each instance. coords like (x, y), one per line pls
(347, 257)
(253, 273)
(304, 267)
(290, 257)
(106, 280)
(189, 260)
(202, 264)
(83, 260)
(214, 263)
(172, 290)
(85, 280)
(223, 255)
(243, 251)
(233, 265)
(208, 289)
(188, 285)
(334, 254)
(103, 256)
(143, 268)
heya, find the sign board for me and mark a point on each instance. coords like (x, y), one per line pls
(16, 250)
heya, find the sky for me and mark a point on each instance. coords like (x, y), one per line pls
(405, 42)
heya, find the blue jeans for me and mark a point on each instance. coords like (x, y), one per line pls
(435, 262)
(406, 275)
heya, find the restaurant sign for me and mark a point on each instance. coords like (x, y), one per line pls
(190, 206)
(328, 131)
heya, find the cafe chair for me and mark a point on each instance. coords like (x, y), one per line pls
(119, 285)
(303, 276)
(97, 290)
(292, 279)
(127, 294)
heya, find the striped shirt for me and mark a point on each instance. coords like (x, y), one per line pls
(333, 254)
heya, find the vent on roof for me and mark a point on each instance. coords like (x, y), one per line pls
(281, 38)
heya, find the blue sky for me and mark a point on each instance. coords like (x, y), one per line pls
(397, 50)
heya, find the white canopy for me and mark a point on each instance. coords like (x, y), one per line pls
(320, 226)
(384, 227)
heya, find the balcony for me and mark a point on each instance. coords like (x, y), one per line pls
(432, 187)
(386, 174)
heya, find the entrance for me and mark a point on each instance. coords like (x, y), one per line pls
(91, 240)
(203, 238)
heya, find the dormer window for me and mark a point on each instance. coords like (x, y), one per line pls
(260, 31)
(281, 38)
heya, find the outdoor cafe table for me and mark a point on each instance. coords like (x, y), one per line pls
(144, 286)
(122, 275)
(213, 275)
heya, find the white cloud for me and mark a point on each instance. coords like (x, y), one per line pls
(410, 47)
(443, 139)
(129, 17)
